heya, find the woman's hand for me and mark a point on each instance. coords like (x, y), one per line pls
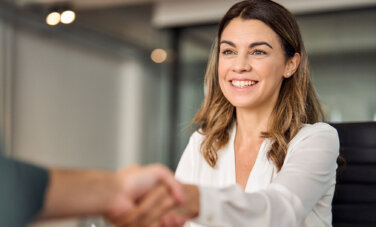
(183, 212)
(159, 208)
(134, 183)
(149, 209)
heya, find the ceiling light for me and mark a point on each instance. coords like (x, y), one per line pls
(67, 17)
(53, 18)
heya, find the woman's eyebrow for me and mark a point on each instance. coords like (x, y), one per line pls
(250, 45)
(228, 43)
(260, 43)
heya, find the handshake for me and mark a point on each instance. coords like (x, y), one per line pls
(152, 197)
(134, 196)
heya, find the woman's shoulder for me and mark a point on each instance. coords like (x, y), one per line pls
(196, 138)
(321, 130)
(191, 160)
(197, 135)
(194, 144)
(319, 127)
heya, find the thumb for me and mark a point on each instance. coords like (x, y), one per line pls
(121, 207)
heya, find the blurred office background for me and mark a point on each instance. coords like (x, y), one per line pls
(91, 94)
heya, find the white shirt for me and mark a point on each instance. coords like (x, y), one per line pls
(300, 194)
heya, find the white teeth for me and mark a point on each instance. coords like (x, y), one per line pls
(241, 84)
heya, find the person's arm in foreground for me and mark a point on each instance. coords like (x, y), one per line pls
(94, 192)
(27, 189)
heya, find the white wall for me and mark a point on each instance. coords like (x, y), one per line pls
(71, 105)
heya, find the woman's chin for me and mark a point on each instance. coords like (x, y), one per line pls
(239, 104)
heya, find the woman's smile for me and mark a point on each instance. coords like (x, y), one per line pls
(243, 83)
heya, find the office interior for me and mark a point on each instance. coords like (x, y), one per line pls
(121, 83)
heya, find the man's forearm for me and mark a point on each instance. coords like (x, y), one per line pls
(110, 194)
(76, 193)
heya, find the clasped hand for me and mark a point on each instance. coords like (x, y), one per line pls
(154, 198)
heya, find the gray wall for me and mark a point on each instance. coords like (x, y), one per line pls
(69, 105)
(72, 105)
(342, 54)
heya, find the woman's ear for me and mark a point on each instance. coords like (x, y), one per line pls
(292, 65)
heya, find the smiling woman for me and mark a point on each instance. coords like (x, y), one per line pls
(258, 128)
(247, 60)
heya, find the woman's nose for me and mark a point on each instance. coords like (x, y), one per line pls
(241, 64)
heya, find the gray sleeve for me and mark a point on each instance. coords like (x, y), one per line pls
(22, 189)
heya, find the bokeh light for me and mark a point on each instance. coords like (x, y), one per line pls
(158, 55)
(67, 17)
(53, 18)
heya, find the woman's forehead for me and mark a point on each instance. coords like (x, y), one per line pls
(249, 30)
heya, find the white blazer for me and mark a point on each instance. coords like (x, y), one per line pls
(300, 194)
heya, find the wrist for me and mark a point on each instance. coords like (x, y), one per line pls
(118, 201)
(192, 204)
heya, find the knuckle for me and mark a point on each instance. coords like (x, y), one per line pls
(142, 211)
(170, 202)
(158, 192)
(161, 168)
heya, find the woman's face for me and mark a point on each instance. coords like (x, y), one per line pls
(252, 64)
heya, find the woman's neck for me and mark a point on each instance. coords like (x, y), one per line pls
(250, 123)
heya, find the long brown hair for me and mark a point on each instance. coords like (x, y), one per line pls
(297, 102)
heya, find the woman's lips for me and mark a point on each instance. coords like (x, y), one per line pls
(243, 83)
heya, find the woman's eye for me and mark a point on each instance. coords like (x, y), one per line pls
(227, 52)
(258, 52)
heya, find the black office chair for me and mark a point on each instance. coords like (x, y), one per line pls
(354, 202)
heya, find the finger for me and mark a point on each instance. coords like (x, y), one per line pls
(156, 224)
(127, 225)
(167, 221)
(173, 221)
(164, 174)
(147, 206)
(165, 204)
(180, 221)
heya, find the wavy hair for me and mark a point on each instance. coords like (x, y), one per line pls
(297, 102)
